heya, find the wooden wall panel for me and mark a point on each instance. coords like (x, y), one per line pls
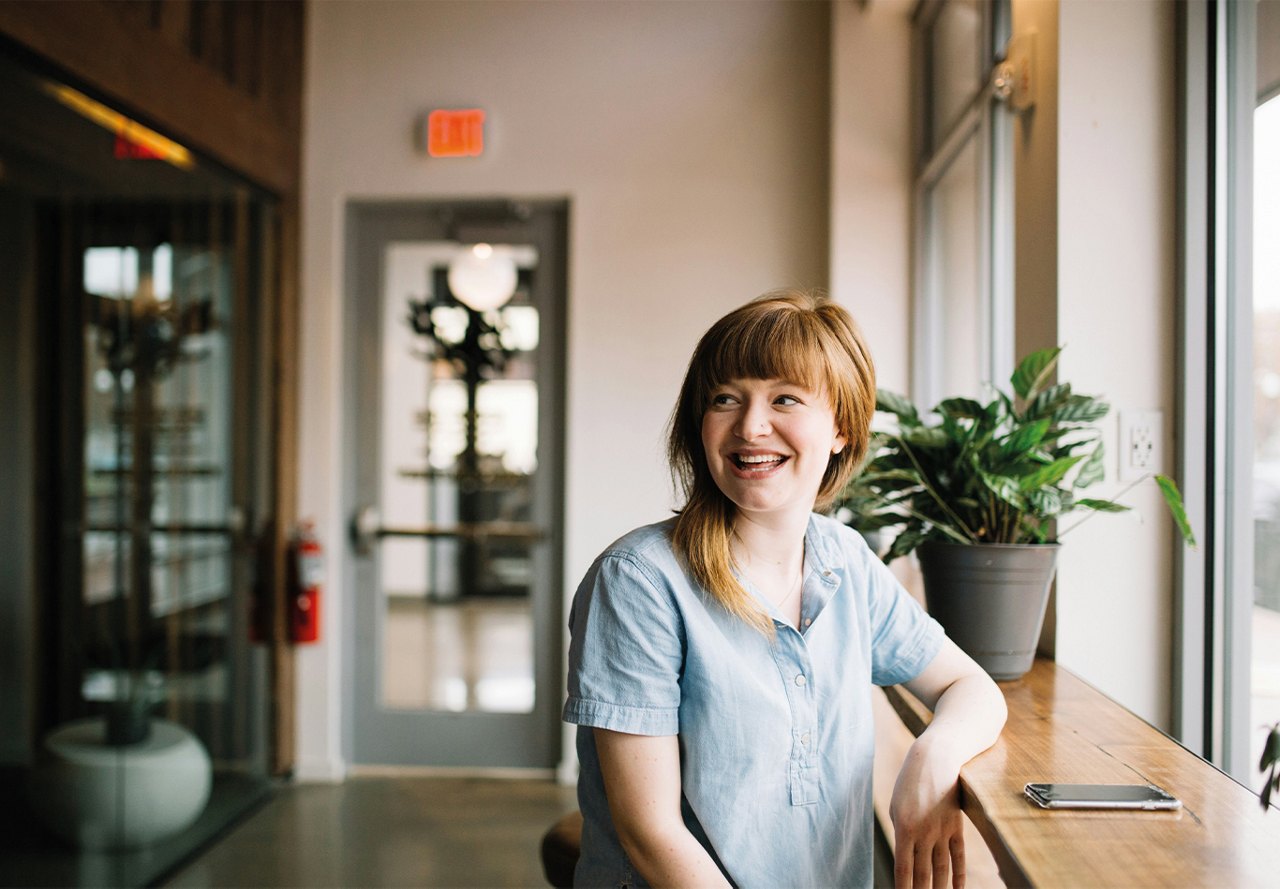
(184, 67)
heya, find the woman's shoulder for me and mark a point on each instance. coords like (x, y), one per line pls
(647, 547)
(836, 541)
(644, 540)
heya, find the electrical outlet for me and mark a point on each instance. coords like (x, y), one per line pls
(1141, 444)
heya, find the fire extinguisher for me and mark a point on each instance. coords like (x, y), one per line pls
(304, 600)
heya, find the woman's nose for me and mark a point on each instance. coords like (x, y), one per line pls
(753, 422)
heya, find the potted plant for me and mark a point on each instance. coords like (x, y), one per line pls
(977, 493)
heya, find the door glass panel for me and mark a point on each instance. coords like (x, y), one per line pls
(457, 456)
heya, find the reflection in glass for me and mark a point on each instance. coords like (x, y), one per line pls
(458, 453)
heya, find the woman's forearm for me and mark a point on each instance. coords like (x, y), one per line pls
(642, 782)
(967, 719)
(670, 856)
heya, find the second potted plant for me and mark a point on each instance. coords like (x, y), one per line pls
(976, 493)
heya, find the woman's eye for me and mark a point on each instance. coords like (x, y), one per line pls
(721, 399)
(786, 400)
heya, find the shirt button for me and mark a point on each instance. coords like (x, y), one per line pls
(826, 573)
(807, 621)
(800, 680)
(804, 739)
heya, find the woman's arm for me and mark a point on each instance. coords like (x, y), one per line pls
(968, 713)
(642, 782)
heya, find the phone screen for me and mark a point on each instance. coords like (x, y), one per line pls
(1100, 796)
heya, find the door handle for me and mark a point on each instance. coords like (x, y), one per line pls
(364, 529)
(367, 529)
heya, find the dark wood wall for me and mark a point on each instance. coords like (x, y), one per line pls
(223, 77)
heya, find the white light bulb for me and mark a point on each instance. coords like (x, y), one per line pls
(482, 278)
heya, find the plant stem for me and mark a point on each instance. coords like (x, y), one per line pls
(924, 479)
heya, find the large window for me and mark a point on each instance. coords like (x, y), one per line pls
(1229, 630)
(964, 329)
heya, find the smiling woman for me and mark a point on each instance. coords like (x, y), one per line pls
(722, 661)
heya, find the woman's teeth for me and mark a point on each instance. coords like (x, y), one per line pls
(759, 461)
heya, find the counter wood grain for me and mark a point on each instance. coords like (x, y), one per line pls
(1062, 729)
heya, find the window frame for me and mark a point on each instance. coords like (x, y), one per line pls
(986, 121)
(1213, 607)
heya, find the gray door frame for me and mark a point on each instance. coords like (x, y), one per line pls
(373, 735)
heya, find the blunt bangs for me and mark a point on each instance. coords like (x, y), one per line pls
(779, 340)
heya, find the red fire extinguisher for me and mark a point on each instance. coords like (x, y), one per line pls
(304, 604)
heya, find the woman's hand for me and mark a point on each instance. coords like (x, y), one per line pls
(927, 825)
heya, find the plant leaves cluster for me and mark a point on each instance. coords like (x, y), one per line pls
(999, 472)
(1270, 760)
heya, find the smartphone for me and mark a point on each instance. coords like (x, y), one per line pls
(1100, 796)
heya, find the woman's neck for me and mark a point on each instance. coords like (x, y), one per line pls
(777, 545)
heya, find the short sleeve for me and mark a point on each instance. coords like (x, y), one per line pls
(626, 650)
(904, 638)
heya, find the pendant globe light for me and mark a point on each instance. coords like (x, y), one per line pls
(482, 278)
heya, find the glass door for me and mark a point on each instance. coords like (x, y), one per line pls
(456, 312)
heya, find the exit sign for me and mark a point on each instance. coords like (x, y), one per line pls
(455, 132)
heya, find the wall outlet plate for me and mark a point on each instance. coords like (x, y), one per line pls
(1141, 444)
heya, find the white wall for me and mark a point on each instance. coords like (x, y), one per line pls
(692, 142)
(1117, 138)
(871, 178)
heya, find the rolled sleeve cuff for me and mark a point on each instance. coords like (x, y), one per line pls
(657, 721)
(909, 665)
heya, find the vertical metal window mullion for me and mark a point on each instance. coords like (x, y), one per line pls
(1240, 100)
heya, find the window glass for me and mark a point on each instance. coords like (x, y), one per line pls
(1265, 678)
(955, 220)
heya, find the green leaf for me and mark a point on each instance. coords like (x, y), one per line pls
(898, 405)
(1081, 409)
(1271, 749)
(1174, 501)
(905, 542)
(1093, 469)
(1046, 502)
(1101, 505)
(1050, 474)
(1048, 401)
(1004, 487)
(1034, 372)
(926, 437)
(1024, 438)
(960, 409)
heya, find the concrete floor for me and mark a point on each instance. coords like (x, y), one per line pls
(388, 832)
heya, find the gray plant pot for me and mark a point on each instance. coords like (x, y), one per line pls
(990, 598)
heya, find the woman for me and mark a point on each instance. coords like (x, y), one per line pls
(721, 662)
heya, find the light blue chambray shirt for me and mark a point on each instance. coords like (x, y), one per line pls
(776, 737)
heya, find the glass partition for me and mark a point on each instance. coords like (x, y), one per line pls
(141, 290)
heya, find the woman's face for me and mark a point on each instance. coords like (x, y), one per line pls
(768, 444)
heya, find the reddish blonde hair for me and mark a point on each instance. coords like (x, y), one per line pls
(791, 335)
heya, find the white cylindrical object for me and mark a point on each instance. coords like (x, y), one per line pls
(98, 796)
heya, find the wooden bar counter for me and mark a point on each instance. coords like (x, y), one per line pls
(1061, 729)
